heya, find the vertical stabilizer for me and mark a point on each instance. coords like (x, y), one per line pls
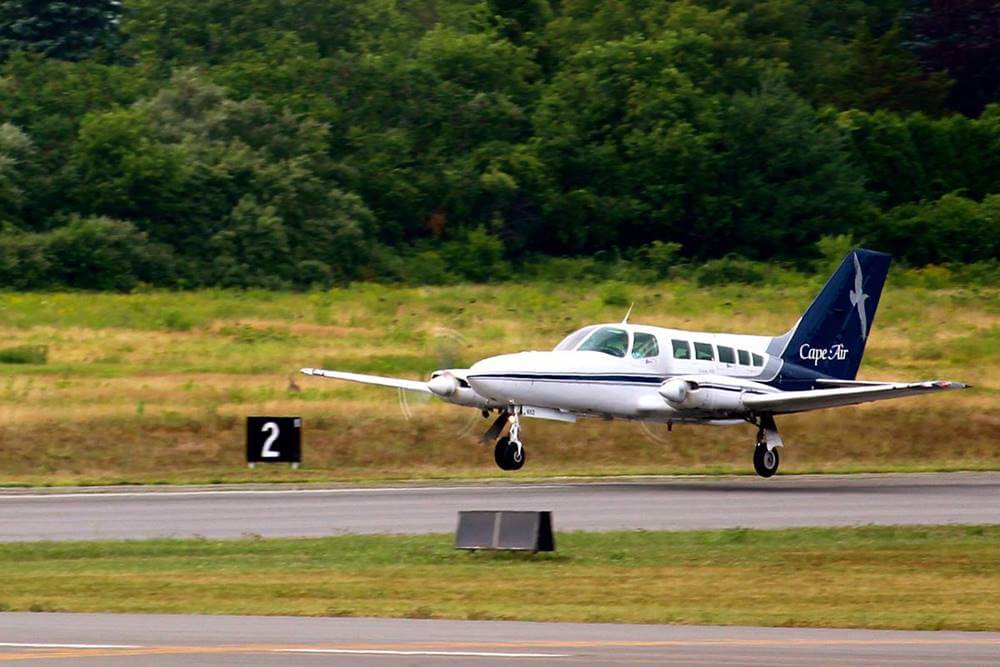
(830, 338)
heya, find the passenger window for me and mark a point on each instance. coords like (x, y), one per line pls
(703, 352)
(758, 360)
(726, 355)
(744, 357)
(681, 349)
(644, 345)
(608, 340)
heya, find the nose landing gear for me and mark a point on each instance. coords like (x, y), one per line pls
(508, 451)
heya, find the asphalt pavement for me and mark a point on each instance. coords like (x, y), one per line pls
(164, 640)
(668, 503)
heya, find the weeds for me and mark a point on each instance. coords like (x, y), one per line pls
(178, 395)
(25, 354)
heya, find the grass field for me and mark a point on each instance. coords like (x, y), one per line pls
(153, 387)
(875, 577)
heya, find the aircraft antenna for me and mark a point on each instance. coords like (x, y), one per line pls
(625, 320)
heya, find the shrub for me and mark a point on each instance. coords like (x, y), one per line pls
(313, 273)
(478, 257)
(832, 250)
(101, 253)
(23, 260)
(730, 269)
(660, 257)
(25, 354)
(951, 229)
(614, 293)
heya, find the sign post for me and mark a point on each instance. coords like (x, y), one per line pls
(274, 440)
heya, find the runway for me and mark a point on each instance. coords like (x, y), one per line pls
(678, 503)
(160, 640)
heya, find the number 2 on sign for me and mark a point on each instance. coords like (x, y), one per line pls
(267, 452)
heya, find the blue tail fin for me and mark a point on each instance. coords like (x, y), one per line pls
(830, 338)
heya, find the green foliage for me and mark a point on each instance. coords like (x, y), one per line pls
(788, 177)
(24, 354)
(913, 157)
(660, 257)
(299, 143)
(59, 29)
(730, 269)
(886, 75)
(104, 254)
(832, 250)
(24, 260)
(614, 293)
(17, 162)
(951, 229)
(959, 38)
(478, 257)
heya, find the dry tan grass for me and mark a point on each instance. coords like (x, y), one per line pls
(171, 403)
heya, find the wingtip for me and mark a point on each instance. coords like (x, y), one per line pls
(307, 371)
(948, 384)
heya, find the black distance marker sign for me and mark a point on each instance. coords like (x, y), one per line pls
(274, 439)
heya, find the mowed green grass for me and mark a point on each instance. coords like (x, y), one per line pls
(153, 387)
(875, 577)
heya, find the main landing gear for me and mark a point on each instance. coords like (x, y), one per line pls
(765, 454)
(508, 451)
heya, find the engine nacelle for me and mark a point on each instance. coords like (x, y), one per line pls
(469, 398)
(675, 392)
(683, 394)
(453, 389)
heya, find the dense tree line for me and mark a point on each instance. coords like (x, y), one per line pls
(279, 143)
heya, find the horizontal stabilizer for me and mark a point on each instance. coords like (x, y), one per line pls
(816, 399)
(409, 385)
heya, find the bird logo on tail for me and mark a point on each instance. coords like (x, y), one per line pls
(858, 297)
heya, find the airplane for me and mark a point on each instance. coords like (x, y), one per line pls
(670, 376)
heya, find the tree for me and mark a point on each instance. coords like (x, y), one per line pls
(786, 177)
(626, 136)
(221, 179)
(59, 28)
(101, 253)
(950, 229)
(519, 18)
(884, 75)
(17, 155)
(962, 39)
(913, 157)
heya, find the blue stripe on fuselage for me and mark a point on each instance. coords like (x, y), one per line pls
(626, 380)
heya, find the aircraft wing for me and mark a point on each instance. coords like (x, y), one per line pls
(800, 401)
(410, 385)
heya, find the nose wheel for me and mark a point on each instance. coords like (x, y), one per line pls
(509, 452)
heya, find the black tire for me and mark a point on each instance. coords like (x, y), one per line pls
(500, 452)
(765, 462)
(512, 452)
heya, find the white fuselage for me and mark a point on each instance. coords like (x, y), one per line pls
(624, 381)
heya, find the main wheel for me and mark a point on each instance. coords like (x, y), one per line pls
(765, 461)
(500, 452)
(508, 455)
(515, 456)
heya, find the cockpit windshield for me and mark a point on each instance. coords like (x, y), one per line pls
(571, 341)
(609, 340)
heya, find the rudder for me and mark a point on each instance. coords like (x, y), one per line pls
(830, 337)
